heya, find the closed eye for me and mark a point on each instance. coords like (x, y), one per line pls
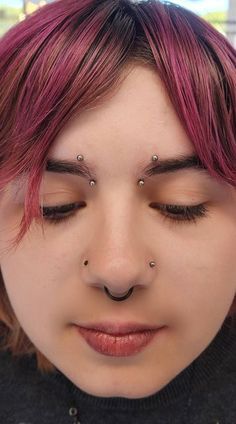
(182, 213)
(176, 213)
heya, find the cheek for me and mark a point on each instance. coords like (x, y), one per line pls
(200, 282)
(31, 285)
(41, 278)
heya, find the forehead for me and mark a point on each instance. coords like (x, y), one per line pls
(138, 120)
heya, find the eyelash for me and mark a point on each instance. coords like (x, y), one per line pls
(186, 213)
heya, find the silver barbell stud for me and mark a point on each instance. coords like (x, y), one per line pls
(80, 157)
(141, 183)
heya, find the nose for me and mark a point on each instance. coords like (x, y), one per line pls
(117, 258)
(118, 274)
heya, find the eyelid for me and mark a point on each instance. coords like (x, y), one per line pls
(63, 207)
(188, 214)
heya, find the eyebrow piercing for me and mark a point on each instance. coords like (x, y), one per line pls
(92, 182)
(80, 157)
(140, 182)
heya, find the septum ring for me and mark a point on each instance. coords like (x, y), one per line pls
(120, 298)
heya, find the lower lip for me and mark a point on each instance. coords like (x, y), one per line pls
(113, 345)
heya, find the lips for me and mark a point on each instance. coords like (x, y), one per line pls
(118, 339)
(119, 328)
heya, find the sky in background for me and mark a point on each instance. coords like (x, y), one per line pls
(203, 6)
(198, 6)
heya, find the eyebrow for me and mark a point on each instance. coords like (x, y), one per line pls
(162, 166)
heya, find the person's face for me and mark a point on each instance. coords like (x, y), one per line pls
(119, 232)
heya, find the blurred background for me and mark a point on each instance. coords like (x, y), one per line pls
(221, 13)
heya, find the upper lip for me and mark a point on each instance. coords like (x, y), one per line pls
(119, 328)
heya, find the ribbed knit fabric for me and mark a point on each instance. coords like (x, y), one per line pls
(203, 393)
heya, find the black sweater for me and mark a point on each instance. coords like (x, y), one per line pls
(203, 393)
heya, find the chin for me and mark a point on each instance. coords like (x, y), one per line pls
(119, 390)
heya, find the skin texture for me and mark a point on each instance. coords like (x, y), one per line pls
(193, 284)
